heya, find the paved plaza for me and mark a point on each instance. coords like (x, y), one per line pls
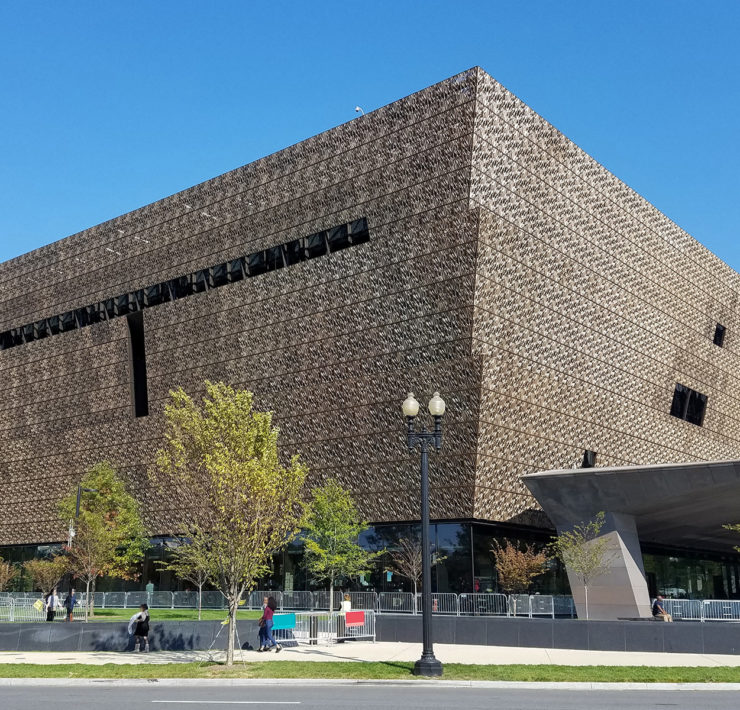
(359, 652)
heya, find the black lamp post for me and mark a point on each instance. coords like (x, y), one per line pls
(427, 665)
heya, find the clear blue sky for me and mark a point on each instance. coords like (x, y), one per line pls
(107, 106)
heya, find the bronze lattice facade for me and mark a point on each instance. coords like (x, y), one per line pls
(460, 243)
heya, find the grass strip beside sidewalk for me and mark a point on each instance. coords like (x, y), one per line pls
(390, 670)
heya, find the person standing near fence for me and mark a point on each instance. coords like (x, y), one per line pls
(266, 623)
(69, 604)
(52, 604)
(138, 627)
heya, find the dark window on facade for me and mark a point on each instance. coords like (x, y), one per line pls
(338, 238)
(719, 335)
(316, 245)
(274, 258)
(40, 329)
(137, 351)
(688, 404)
(203, 281)
(359, 232)
(180, 287)
(589, 459)
(67, 321)
(295, 252)
(220, 275)
(256, 263)
(236, 270)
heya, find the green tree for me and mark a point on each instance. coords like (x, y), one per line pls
(8, 573)
(583, 552)
(109, 534)
(221, 455)
(46, 574)
(333, 528)
(192, 560)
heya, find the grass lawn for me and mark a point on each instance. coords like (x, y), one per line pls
(166, 614)
(374, 671)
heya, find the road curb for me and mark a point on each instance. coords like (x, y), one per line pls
(234, 682)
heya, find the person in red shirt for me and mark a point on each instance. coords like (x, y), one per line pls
(266, 623)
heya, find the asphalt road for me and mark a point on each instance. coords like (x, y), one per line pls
(360, 697)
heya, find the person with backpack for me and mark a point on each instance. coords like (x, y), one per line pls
(69, 604)
(138, 627)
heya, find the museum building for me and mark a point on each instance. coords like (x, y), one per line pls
(453, 241)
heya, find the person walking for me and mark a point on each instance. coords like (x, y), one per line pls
(266, 622)
(138, 627)
(262, 634)
(69, 604)
(52, 604)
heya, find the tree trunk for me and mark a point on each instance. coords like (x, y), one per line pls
(233, 602)
(91, 600)
(331, 596)
(415, 610)
(200, 600)
(585, 591)
(87, 599)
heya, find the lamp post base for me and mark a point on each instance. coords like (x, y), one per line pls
(428, 666)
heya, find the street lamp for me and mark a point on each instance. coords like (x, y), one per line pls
(427, 665)
(80, 491)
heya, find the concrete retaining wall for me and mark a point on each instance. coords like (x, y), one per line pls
(678, 637)
(102, 636)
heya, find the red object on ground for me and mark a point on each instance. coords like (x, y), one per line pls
(354, 618)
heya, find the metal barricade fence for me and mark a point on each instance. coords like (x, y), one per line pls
(519, 605)
(564, 606)
(254, 600)
(321, 600)
(185, 600)
(687, 609)
(442, 603)
(324, 628)
(214, 600)
(161, 600)
(115, 600)
(721, 610)
(396, 603)
(298, 601)
(541, 605)
(134, 599)
(483, 604)
(364, 600)
(23, 609)
(345, 631)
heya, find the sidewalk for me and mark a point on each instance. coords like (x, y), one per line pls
(383, 652)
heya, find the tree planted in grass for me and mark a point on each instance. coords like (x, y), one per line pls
(583, 552)
(221, 458)
(109, 533)
(192, 560)
(517, 566)
(407, 561)
(333, 528)
(8, 573)
(46, 574)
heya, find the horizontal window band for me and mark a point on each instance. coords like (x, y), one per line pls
(260, 262)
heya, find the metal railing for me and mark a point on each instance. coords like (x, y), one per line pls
(383, 603)
(315, 627)
(23, 609)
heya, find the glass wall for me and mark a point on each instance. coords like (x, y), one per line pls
(464, 564)
(690, 574)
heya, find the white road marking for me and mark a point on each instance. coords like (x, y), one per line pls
(233, 702)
